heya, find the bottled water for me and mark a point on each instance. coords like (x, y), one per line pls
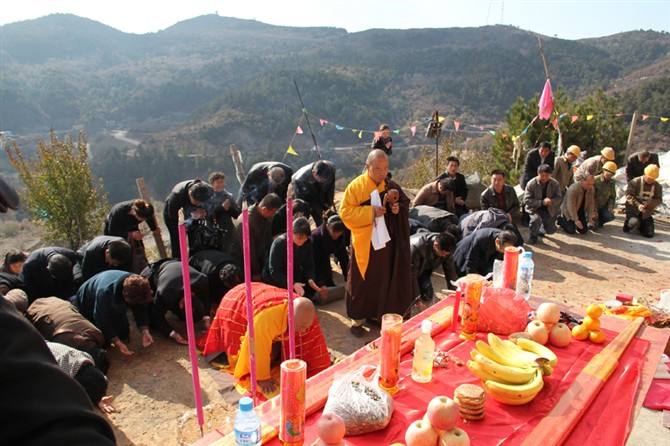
(524, 278)
(424, 349)
(247, 424)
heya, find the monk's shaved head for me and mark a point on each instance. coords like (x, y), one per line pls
(377, 165)
(304, 312)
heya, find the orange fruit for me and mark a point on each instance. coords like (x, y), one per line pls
(580, 332)
(591, 323)
(595, 311)
(597, 336)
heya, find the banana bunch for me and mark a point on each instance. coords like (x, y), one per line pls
(512, 373)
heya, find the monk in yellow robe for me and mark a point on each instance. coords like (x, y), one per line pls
(378, 280)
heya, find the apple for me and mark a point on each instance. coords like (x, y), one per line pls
(560, 335)
(331, 428)
(538, 331)
(420, 433)
(320, 442)
(549, 313)
(455, 437)
(442, 413)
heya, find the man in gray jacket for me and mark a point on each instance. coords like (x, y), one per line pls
(579, 207)
(542, 200)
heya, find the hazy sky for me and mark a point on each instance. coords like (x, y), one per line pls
(565, 18)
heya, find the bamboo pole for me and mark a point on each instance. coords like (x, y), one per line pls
(237, 162)
(144, 195)
(629, 145)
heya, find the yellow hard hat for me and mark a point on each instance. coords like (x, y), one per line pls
(608, 153)
(610, 166)
(651, 171)
(575, 150)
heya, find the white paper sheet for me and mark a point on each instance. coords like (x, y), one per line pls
(380, 234)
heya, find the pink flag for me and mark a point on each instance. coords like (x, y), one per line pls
(546, 101)
(298, 131)
(323, 122)
(457, 125)
(645, 117)
(574, 118)
(555, 123)
(413, 130)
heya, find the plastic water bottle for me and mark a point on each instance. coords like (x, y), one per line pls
(524, 278)
(247, 424)
(424, 349)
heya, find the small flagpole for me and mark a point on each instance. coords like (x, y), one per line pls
(251, 337)
(289, 276)
(190, 330)
(309, 126)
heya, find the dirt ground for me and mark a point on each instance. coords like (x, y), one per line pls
(153, 389)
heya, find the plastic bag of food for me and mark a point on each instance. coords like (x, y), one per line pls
(502, 312)
(357, 398)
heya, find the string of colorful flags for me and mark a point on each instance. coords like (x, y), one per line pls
(456, 125)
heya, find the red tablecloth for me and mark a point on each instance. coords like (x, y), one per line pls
(508, 425)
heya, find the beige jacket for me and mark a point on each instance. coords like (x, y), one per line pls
(574, 198)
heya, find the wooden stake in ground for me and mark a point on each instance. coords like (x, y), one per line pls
(629, 145)
(144, 195)
(557, 424)
(237, 162)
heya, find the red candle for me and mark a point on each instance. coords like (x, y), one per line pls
(511, 266)
(292, 404)
(391, 335)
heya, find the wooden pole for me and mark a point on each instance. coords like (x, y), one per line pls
(544, 59)
(237, 162)
(629, 145)
(144, 195)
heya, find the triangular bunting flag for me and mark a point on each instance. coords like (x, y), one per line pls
(354, 130)
(360, 134)
(589, 117)
(574, 118)
(396, 131)
(441, 118)
(546, 105)
(323, 122)
(457, 125)
(492, 132)
(298, 131)
(620, 115)
(664, 119)
(338, 127)
(413, 130)
(555, 123)
(291, 151)
(645, 117)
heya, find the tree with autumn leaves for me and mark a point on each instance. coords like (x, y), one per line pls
(60, 192)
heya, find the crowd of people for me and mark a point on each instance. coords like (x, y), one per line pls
(387, 247)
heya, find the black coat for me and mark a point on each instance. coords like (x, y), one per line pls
(320, 196)
(460, 186)
(178, 199)
(476, 252)
(9, 281)
(533, 161)
(93, 257)
(323, 246)
(39, 282)
(210, 262)
(635, 167)
(490, 200)
(275, 270)
(380, 143)
(119, 222)
(257, 185)
(40, 403)
(425, 261)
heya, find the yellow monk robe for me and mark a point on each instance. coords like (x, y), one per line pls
(359, 219)
(269, 326)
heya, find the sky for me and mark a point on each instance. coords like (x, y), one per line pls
(568, 19)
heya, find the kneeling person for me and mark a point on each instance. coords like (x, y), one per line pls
(228, 333)
(642, 196)
(579, 206)
(428, 251)
(542, 201)
(606, 193)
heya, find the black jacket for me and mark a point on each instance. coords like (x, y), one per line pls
(432, 218)
(210, 262)
(323, 246)
(260, 239)
(257, 185)
(9, 281)
(169, 286)
(476, 252)
(275, 270)
(39, 282)
(380, 143)
(489, 200)
(533, 161)
(424, 259)
(460, 186)
(93, 257)
(635, 167)
(119, 222)
(178, 199)
(40, 404)
(319, 195)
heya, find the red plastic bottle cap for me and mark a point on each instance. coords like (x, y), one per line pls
(623, 297)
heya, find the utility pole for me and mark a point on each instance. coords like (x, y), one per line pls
(633, 123)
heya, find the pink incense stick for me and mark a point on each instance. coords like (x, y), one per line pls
(289, 277)
(251, 337)
(188, 307)
(457, 304)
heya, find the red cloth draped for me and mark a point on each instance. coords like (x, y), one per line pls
(230, 324)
